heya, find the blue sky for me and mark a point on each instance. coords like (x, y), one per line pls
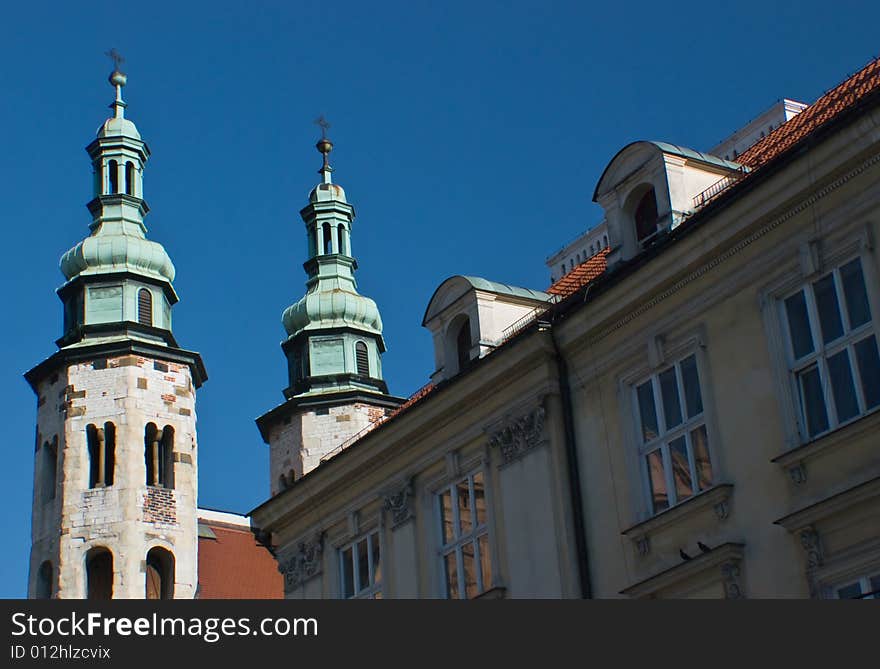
(469, 137)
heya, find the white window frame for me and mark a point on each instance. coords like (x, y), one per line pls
(373, 590)
(822, 352)
(666, 436)
(864, 583)
(459, 540)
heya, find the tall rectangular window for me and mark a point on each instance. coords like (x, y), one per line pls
(360, 568)
(464, 537)
(674, 443)
(832, 349)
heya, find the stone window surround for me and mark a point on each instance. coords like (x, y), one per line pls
(457, 467)
(661, 351)
(824, 572)
(355, 533)
(813, 258)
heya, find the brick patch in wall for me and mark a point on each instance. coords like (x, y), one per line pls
(343, 418)
(185, 458)
(142, 383)
(185, 412)
(169, 398)
(159, 506)
(126, 361)
(76, 411)
(181, 391)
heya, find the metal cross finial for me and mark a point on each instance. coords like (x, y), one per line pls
(116, 57)
(322, 123)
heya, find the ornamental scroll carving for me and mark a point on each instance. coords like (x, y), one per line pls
(730, 576)
(303, 564)
(519, 435)
(399, 503)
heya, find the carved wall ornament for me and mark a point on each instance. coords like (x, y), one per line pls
(812, 547)
(519, 435)
(399, 504)
(730, 575)
(722, 509)
(303, 564)
(643, 544)
(798, 473)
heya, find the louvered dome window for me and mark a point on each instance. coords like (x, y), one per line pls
(363, 361)
(145, 307)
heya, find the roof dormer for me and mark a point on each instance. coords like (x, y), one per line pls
(649, 188)
(469, 316)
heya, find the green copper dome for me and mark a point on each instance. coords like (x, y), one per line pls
(103, 253)
(330, 309)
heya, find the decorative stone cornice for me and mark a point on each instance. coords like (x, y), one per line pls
(718, 497)
(399, 503)
(303, 564)
(519, 435)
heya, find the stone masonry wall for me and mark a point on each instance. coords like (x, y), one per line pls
(128, 517)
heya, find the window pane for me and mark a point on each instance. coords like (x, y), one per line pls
(485, 561)
(479, 498)
(842, 386)
(446, 516)
(468, 564)
(700, 444)
(347, 573)
(693, 400)
(868, 361)
(657, 480)
(451, 576)
(363, 565)
(829, 311)
(463, 495)
(813, 401)
(377, 559)
(671, 403)
(648, 411)
(853, 591)
(799, 325)
(854, 292)
(681, 469)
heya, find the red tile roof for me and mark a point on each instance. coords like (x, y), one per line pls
(580, 275)
(834, 102)
(236, 566)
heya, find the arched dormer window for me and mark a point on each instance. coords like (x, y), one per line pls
(646, 215)
(129, 178)
(463, 345)
(145, 307)
(328, 239)
(160, 574)
(113, 177)
(99, 573)
(362, 359)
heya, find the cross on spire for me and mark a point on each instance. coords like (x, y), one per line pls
(116, 57)
(325, 146)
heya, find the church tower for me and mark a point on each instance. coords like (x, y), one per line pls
(115, 475)
(333, 348)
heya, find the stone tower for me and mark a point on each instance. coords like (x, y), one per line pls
(333, 348)
(115, 475)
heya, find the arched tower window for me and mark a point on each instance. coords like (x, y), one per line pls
(129, 178)
(101, 443)
(463, 345)
(99, 573)
(328, 239)
(112, 177)
(160, 574)
(145, 307)
(50, 468)
(340, 241)
(44, 581)
(159, 455)
(362, 359)
(646, 215)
